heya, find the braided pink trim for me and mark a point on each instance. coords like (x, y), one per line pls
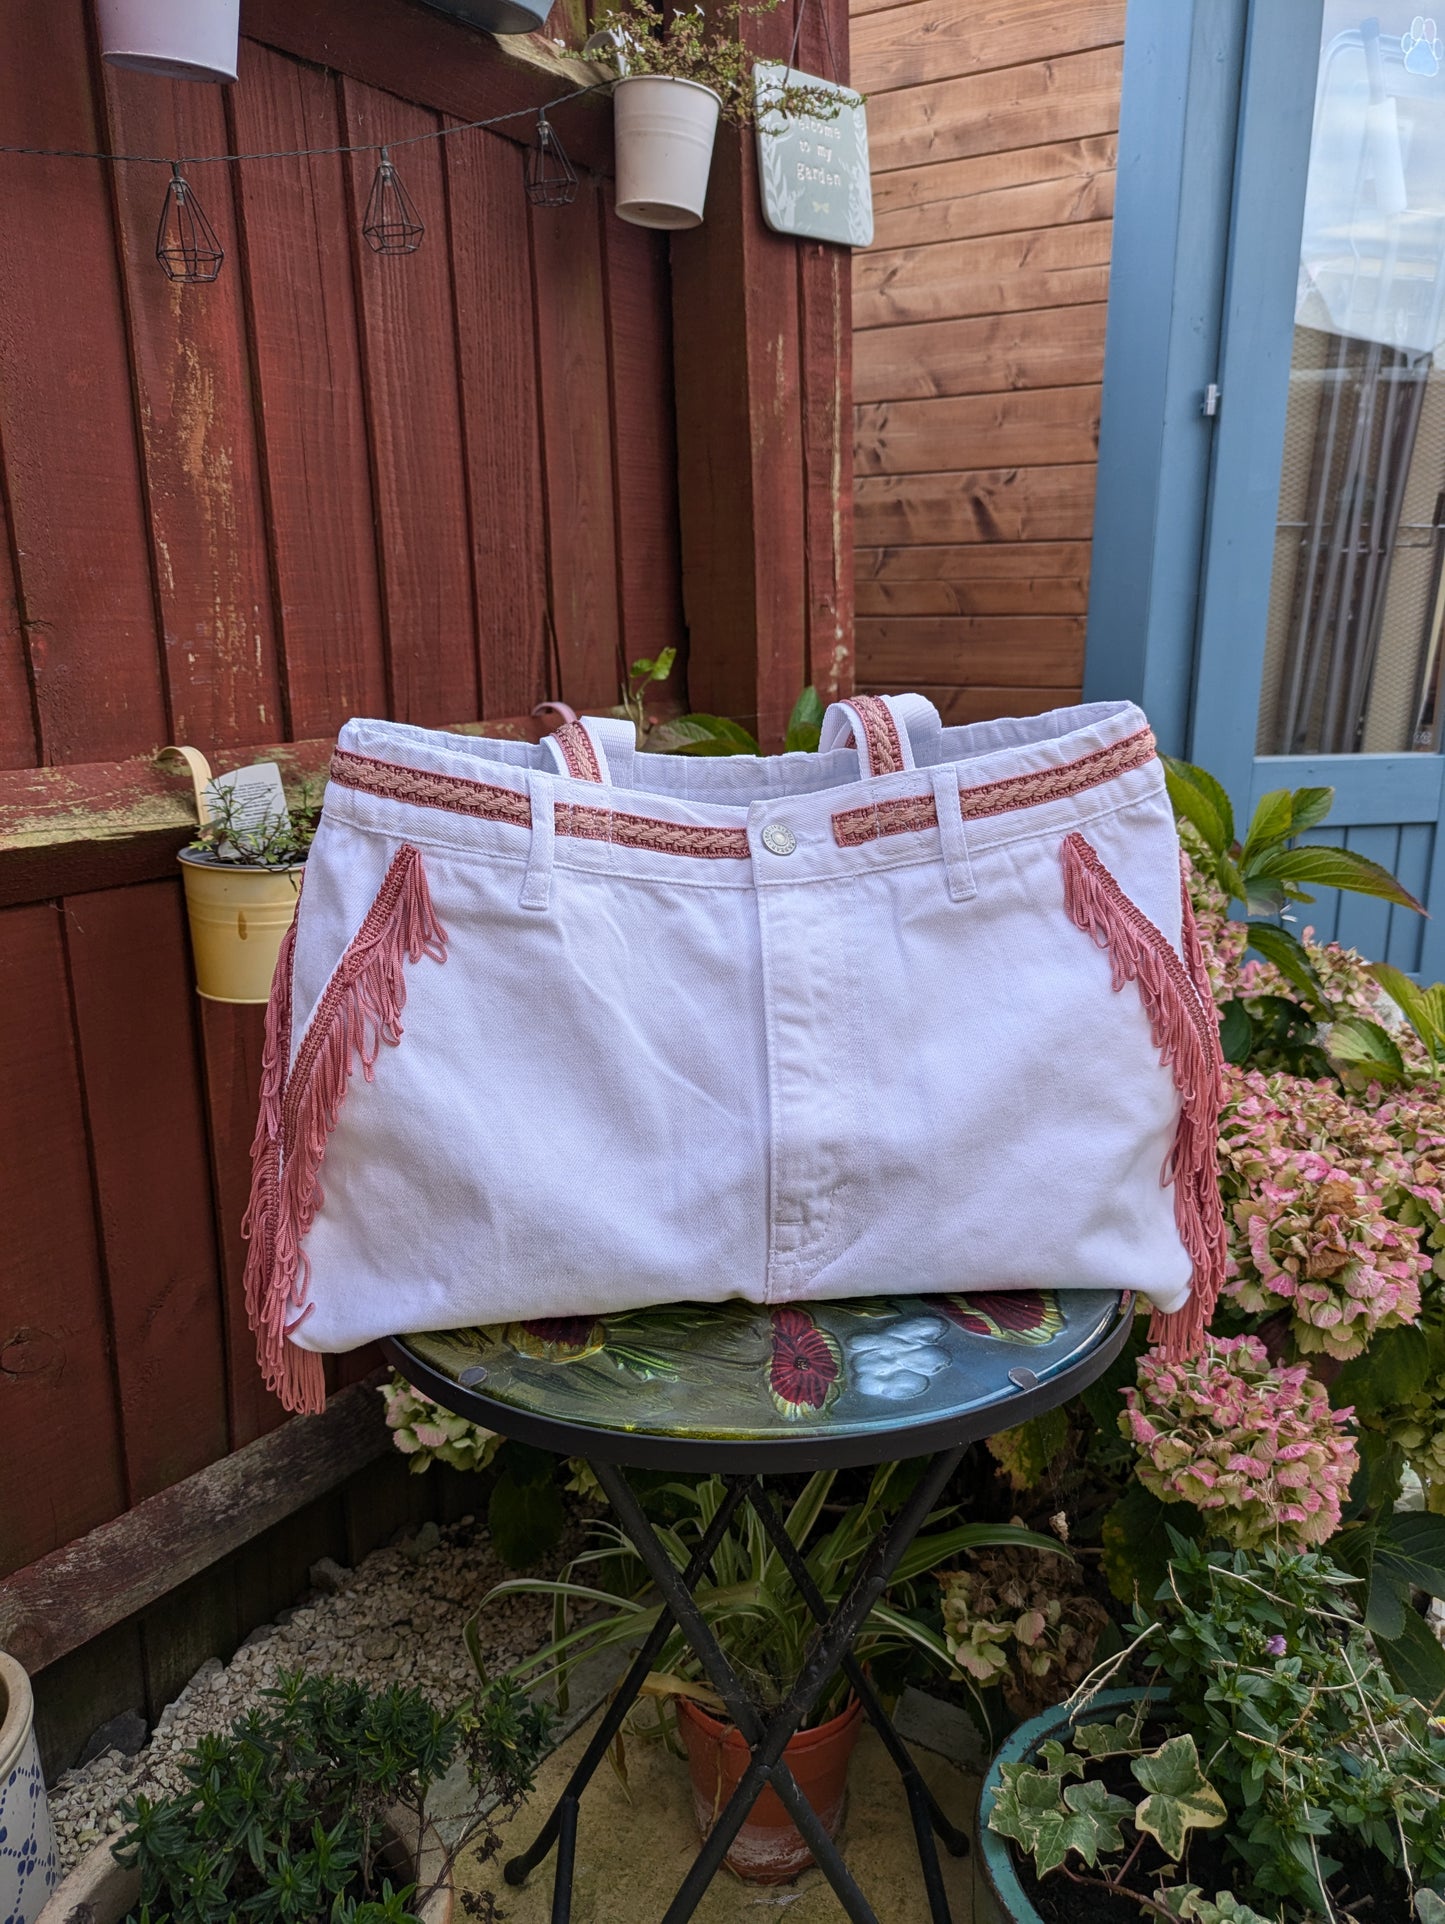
(578, 752)
(909, 813)
(488, 801)
(880, 733)
(461, 796)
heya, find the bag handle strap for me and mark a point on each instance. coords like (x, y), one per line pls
(882, 728)
(594, 748)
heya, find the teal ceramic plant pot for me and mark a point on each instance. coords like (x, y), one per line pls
(1011, 1905)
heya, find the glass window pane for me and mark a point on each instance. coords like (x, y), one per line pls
(1356, 601)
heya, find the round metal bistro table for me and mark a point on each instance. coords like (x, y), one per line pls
(745, 1393)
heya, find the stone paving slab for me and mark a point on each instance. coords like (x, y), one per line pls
(634, 1849)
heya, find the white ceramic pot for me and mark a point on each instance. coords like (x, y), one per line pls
(28, 1868)
(177, 39)
(664, 131)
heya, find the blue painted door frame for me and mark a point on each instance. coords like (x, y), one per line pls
(1217, 108)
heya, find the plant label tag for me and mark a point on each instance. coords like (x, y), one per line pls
(814, 172)
(248, 798)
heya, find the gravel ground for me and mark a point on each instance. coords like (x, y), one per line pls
(396, 1619)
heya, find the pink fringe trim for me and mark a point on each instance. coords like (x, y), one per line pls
(360, 1009)
(1186, 1032)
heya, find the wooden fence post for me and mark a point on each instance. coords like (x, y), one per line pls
(763, 354)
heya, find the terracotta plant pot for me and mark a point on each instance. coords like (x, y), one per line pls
(102, 1893)
(239, 917)
(28, 1869)
(768, 1849)
(174, 39)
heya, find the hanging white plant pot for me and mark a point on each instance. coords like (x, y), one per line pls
(177, 39)
(664, 129)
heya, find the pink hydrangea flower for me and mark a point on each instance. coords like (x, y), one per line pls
(1254, 1446)
(1328, 1208)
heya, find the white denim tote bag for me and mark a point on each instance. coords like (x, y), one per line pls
(924, 1011)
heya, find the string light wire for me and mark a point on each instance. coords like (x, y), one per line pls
(309, 153)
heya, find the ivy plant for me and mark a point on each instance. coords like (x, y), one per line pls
(1266, 1720)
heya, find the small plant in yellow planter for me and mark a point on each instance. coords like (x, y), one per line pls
(243, 879)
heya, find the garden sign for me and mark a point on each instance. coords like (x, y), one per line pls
(814, 172)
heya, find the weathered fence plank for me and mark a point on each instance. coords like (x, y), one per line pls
(63, 1599)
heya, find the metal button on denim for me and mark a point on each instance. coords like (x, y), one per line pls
(779, 839)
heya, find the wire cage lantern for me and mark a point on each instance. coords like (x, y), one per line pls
(391, 224)
(186, 243)
(551, 177)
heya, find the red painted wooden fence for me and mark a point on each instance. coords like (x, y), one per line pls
(442, 487)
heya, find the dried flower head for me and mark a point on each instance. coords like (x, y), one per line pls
(1017, 1618)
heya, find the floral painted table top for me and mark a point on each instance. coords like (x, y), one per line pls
(742, 1372)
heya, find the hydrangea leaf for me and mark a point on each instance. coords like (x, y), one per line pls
(1028, 1451)
(1429, 1907)
(1181, 1798)
(1118, 1739)
(1202, 799)
(1355, 1039)
(1273, 822)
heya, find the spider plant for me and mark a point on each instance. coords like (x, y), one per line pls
(606, 1596)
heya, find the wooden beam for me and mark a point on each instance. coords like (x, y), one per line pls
(443, 64)
(1027, 106)
(761, 352)
(95, 825)
(60, 1602)
(1049, 427)
(940, 40)
(1048, 347)
(997, 274)
(960, 705)
(992, 505)
(963, 651)
(1085, 193)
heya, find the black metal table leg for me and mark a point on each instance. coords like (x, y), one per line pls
(566, 1815)
(495, 1378)
(955, 1839)
(623, 1698)
(833, 1642)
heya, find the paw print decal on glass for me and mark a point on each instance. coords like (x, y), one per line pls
(1422, 47)
(900, 1361)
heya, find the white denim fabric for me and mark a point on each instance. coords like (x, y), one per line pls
(845, 1062)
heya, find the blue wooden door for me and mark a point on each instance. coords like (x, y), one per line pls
(1284, 620)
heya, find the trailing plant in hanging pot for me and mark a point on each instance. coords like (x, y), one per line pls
(679, 73)
(173, 39)
(242, 876)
